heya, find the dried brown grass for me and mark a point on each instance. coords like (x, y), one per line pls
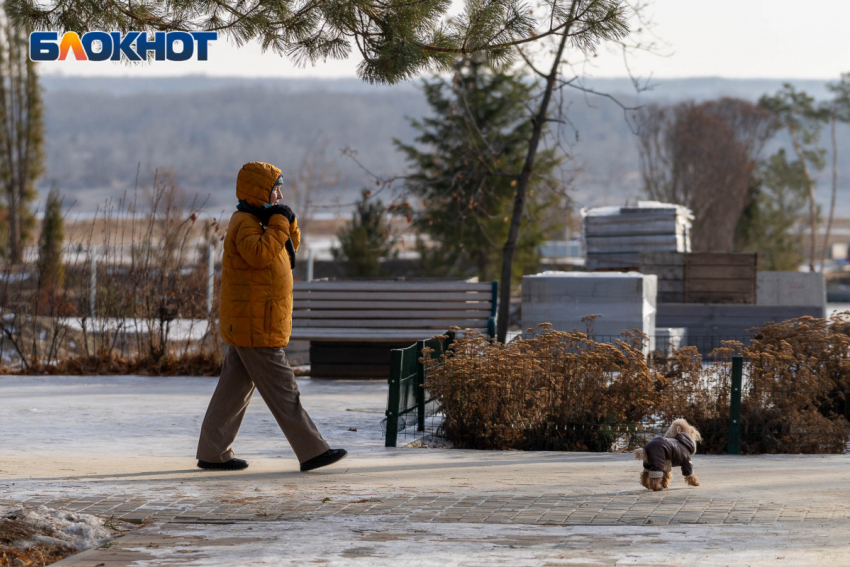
(199, 364)
(37, 554)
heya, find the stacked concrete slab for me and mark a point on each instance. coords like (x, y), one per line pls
(615, 236)
(708, 324)
(670, 269)
(791, 289)
(623, 301)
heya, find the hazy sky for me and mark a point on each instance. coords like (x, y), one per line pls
(724, 38)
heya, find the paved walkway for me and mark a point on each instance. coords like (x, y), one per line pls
(123, 447)
(666, 508)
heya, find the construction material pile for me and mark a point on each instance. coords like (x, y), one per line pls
(614, 237)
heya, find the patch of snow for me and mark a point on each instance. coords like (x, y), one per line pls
(15, 277)
(557, 274)
(178, 329)
(429, 442)
(615, 210)
(80, 531)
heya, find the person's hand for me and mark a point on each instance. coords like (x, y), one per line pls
(290, 250)
(280, 210)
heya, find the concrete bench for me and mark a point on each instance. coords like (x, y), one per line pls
(353, 325)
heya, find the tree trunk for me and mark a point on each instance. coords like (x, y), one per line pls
(813, 216)
(834, 191)
(21, 130)
(538, 122)
(15, 253)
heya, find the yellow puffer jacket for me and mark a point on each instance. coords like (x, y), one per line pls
(256, 278)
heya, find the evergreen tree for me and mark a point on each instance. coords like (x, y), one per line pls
(798, 113)
(773, 217)
(21, 135)
(365, 240)
(51, 271)
(478, 130)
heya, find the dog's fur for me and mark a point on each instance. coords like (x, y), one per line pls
(678, 426)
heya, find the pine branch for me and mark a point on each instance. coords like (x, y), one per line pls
(398, 39)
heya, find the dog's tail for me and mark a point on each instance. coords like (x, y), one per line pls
(640, 454)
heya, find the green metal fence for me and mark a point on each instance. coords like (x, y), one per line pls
(408, 398)
(735, 405)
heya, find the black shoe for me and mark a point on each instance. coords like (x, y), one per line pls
(231, 465)
(329, 457)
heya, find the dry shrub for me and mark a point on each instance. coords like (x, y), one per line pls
(794, 395)
(564, 391)
(554, 390)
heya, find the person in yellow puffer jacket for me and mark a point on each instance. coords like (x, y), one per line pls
(255, 319)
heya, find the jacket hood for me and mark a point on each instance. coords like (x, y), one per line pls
(687, 442)
(255, 181)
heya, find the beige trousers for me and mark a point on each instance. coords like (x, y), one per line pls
(267, 369)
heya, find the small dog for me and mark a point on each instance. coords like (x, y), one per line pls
(661, 454)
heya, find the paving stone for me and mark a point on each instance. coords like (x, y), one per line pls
(547, 508)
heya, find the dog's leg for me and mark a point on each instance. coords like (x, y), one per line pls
(665, 480)
(656, 484)
(692, 480)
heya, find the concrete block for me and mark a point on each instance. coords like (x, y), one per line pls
(669, 338)
(708, 324)
(624, 301)
(790, 289)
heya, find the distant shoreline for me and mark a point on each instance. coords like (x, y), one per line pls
(672, 87)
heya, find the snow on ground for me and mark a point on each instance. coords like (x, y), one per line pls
(178, 329)
(44, 526)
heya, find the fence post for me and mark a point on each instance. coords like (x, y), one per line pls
(420, 387)
(210, 277)
(494, 302)
(92, 281)
(393, 397)
(735, 406)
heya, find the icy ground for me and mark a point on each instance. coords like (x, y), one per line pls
(161, 416)
(134, 438)
(383, 544)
